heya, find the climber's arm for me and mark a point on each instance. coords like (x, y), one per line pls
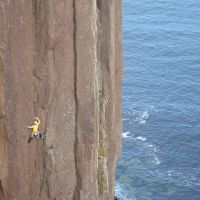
(30, 126)
(38, 120)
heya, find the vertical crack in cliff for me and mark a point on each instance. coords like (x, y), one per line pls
(46, 172)
(35, 13)
(2, 196)
(76, 195)
(46, 106)
(53, 96)
(3, 112)
(49, 110)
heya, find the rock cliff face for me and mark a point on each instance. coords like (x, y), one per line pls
(60, 60)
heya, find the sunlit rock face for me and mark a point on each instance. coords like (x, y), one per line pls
(60, 60)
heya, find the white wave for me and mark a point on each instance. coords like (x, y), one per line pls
(150, 145)
(183, 179)
(142, 122)
(126, 134)
(156, 160)
(144, 117)
(138, 116)
(147, 148)
(145, 114)
(141, 138)
(120, 193)
(150, 150)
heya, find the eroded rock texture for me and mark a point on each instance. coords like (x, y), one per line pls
(60, 60)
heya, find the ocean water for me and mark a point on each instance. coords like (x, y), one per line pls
(160, 158)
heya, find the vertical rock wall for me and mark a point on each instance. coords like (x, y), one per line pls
(60, 60)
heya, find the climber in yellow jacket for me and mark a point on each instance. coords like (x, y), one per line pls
(35, 130)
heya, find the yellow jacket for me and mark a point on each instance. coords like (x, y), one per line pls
(35, 127)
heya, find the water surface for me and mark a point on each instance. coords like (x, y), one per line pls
(160, 157)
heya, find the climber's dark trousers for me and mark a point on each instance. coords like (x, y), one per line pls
(38, 135)
(29, 140)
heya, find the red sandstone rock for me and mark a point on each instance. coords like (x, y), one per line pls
(60, 60)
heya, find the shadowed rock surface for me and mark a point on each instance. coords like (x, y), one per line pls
(60, 60)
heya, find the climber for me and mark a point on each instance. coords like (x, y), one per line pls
(35, 131)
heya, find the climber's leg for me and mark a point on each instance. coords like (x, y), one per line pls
(41, 135)
(30, 138)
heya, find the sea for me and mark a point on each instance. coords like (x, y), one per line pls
(160, 154)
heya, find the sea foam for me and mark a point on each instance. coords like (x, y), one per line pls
(141, 138)
(126, 134)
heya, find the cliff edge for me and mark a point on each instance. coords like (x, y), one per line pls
(60, 60)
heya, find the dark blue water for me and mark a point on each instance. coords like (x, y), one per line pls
(160, 157)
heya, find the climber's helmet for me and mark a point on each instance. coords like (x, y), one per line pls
(35, 123)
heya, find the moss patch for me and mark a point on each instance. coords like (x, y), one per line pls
(50, 147)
